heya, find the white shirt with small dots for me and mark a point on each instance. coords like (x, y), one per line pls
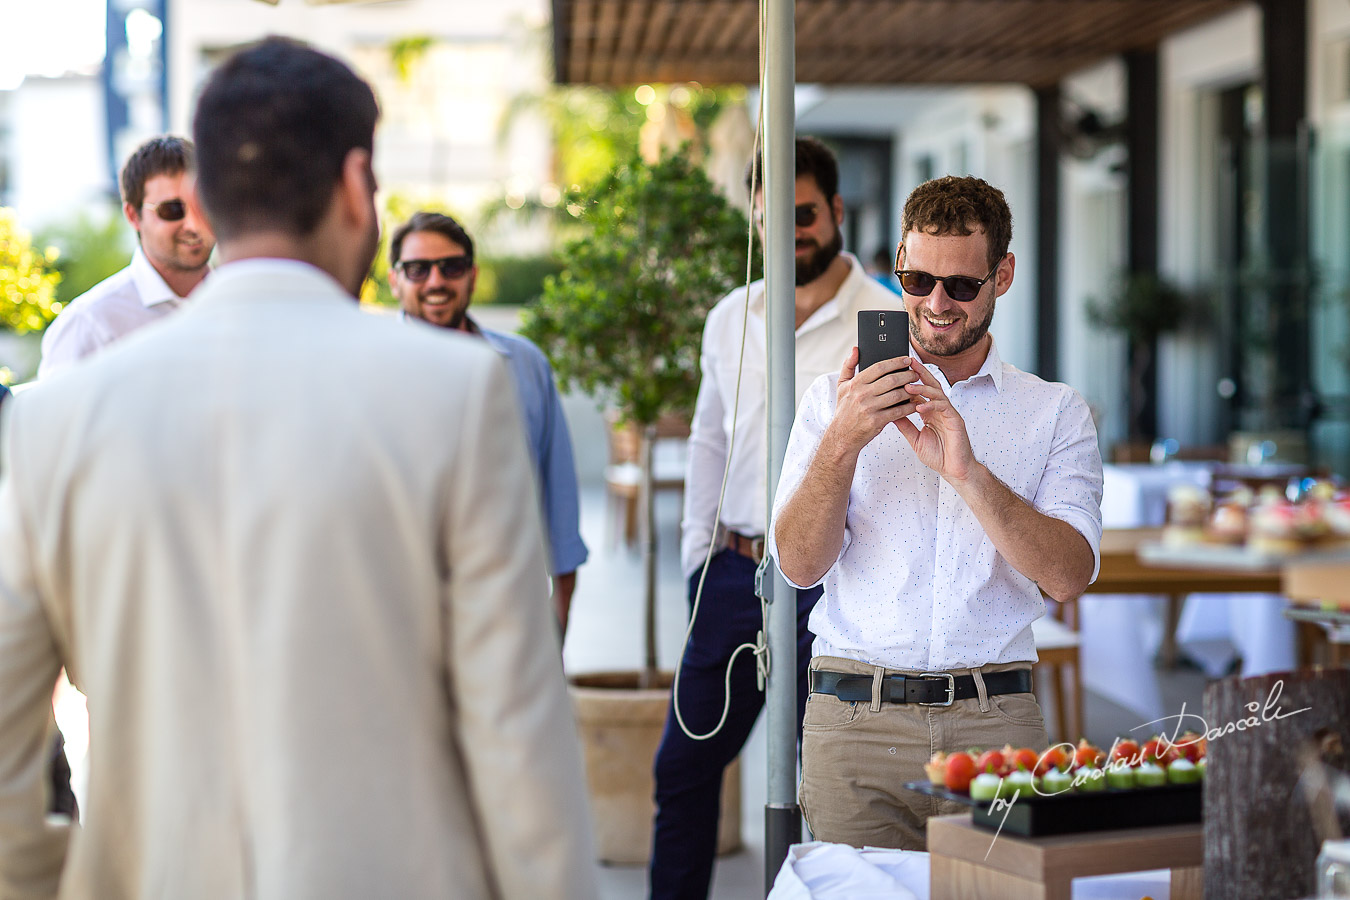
(917, 584)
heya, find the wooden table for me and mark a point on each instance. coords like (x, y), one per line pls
(1123, 573)
(1021, 868)
(1310, 580)
(1319, 582)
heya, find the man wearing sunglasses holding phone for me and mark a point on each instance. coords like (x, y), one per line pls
(934, 539)
(831, 286)
(432, 273)
(174, 246)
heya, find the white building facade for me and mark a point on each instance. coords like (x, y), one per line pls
(1212, 204)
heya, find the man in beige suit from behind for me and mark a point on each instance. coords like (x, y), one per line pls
(292, 555)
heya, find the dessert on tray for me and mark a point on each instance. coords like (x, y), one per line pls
(1188, 508)
(1264, 525)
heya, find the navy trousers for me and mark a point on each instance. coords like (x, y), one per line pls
(688, 773)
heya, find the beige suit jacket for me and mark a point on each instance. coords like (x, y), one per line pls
(292, 554)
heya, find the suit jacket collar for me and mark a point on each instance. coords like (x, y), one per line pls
(265, 278)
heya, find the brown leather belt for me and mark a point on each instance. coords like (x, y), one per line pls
(745, 545)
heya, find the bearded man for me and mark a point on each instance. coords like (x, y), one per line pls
(831, 287)
(432, 273)
(934, 540)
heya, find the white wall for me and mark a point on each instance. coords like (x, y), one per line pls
(55, 149)
(437, 141)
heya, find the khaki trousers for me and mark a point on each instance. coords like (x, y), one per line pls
(857, 757)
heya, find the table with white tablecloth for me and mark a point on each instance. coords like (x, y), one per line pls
(824, 871)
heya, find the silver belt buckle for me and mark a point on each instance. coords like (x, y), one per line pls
(951, 687)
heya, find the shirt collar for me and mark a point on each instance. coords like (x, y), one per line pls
(150, 285)
(286, 274)
(493, 340)
(993, 366)
(991, 369)
(836, 306)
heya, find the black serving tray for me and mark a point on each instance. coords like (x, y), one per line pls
(1074, 811)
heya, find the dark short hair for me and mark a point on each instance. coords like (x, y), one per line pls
(273, 128)
(956, 204)
(813, 158)
(165, 155)
(428, 221)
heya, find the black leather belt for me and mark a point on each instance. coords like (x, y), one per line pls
(932, 689)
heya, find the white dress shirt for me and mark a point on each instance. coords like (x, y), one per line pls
(108, 311)
(917, 583)
(823, 341)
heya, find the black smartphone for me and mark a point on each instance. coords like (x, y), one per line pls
(882, 334)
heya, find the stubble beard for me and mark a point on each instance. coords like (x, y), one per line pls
(456, 320)
(952, 345)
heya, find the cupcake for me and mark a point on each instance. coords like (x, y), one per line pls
(1187, 512)
(1228, 524)
(1337, 514)
(1276, 528)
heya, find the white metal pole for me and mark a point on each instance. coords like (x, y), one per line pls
(782, 817)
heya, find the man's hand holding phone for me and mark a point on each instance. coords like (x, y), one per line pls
(942, 444)
(867, 401)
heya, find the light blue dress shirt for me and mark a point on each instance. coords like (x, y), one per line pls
(550, 443)
(550, 447)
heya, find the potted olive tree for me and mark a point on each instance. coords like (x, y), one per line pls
(623, 321)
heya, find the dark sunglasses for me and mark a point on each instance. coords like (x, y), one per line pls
(168, 210)
(805, 215)
(448, 266)
(962, 288)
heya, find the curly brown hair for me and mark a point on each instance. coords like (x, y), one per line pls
(960, 205)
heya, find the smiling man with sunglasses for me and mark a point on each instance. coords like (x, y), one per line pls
(432, 273)
(174, 246)
(935, 539)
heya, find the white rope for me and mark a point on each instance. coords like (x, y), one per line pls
(760, 647)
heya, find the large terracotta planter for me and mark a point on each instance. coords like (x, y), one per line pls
(620, 728)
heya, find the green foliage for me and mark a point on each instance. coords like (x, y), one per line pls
(89, 250)
(513, 279)
(595, 129)
(27, 280)
(406, 53)
(625, 316)
(1143, 307)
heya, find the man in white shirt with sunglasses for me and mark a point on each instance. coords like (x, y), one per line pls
(174, 246)
(934, 539)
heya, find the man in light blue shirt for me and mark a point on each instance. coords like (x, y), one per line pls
(431, 271)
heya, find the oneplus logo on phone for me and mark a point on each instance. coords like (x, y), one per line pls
(874, 328)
